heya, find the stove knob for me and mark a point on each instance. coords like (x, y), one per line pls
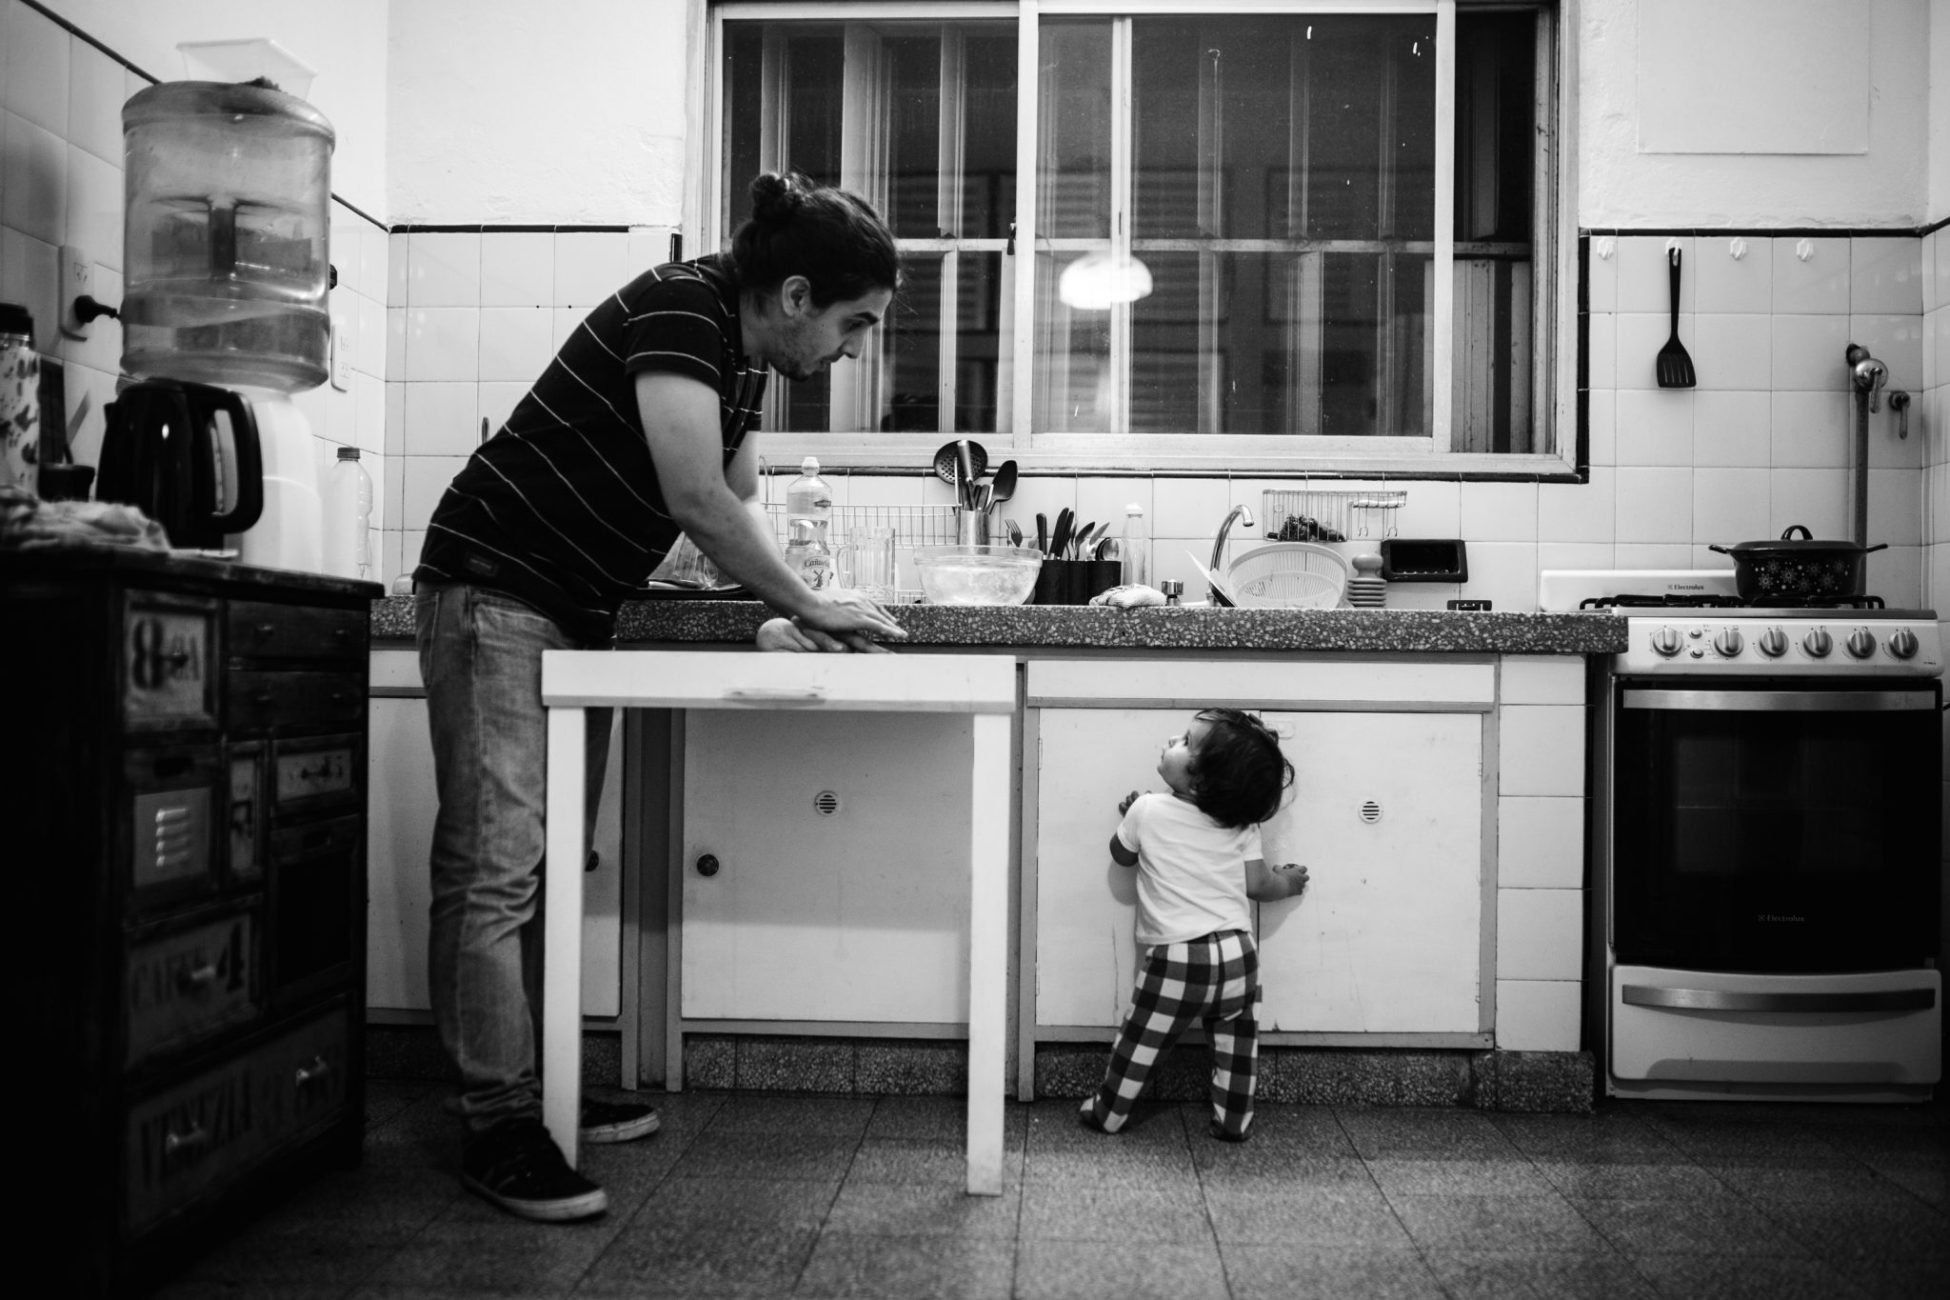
(1903, 644)
(1665, 641)
(1728, 642)
(1773, 643)
(1861, 643)
(1818, 643)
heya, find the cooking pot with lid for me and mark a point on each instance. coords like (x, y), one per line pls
(1798, 568)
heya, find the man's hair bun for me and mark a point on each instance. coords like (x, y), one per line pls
(830, 236)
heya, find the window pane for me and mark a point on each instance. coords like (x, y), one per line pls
(919, 118)
(1073, 380)
(1073, 168)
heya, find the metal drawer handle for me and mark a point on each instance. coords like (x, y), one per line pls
(779, 694)
(316, 1072)
(173, 1142)
(191, 980)
(1641, 995)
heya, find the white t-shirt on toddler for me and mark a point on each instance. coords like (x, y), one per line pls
(1191, 872)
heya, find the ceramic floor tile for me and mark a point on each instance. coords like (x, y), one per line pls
(825, 1116)
(932, 1161)
(1458, 1177)
(1688, 1277)
(1528, 1275)
(1701, 1227)
(751, 1205)
(498, 1255)
(1228, 1163)
(1081, 1212)
(700, 1264)
(1880, 1228)
(1089, 1270)
(766, 1155)
(923, 1210)
(908, 1268)
(1308, 1216)
(1287, 1271)
(1631, 1179)
(1543, 1224)
(1383, 1132)
(939, 1119)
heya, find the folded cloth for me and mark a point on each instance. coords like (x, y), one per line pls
(26, 522)
(1132, 595)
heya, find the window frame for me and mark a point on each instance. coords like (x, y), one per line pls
(1554, 388)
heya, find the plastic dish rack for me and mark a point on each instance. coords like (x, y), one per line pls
(1288, 575)
(1329, 514)
(913, 526)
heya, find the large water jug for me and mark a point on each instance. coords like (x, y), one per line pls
(228, 197)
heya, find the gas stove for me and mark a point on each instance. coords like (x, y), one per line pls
(1693, 621)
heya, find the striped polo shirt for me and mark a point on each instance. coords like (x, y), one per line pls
(562, 509)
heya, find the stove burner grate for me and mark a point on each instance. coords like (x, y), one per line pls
(1669, 600)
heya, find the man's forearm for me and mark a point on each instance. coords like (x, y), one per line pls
(738, 539)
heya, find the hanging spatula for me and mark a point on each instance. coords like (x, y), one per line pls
(1675, 367)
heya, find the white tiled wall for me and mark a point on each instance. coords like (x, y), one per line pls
(61, 183)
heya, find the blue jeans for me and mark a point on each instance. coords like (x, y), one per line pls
(481, 661)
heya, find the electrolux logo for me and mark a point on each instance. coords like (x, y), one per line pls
(1772, 918)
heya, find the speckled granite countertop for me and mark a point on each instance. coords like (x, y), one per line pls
(1097, 628)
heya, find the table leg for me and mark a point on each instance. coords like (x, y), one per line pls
(562, 930)
(988, 946)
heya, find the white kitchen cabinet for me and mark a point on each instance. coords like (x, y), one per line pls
(1388, 818)
(1387, 945)
(399, 834)
(839, 883)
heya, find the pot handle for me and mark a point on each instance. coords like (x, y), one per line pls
(1715, 546)
(1787, 534)
(1879, 546)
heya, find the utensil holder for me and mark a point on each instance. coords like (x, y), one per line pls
(1074, 582)
(971, 527)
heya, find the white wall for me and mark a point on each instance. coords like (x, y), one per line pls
(517, 112)
(1621, 186)
(344, 42)
(1939, 109)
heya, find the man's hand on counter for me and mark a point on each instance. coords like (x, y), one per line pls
(789, 635)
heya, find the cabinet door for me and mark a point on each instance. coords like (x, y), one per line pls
(840, 886)
(1388, 818)
(1087, 760)
(401, 803)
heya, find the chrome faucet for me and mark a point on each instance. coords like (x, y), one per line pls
(1245, 518)
(1866, 373)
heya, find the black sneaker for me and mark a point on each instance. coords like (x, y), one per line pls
(518, 1167)
(615, 1121)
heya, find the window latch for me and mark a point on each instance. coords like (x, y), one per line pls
(1010, 250)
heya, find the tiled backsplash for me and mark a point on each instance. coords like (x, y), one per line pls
(61, 184)
(446, 329)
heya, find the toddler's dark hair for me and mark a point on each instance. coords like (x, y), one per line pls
(832, 237)
(1238, 772)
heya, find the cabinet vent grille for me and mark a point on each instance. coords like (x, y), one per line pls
(1370, 812)
(826, 803)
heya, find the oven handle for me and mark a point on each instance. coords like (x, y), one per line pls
(1892, 701)
(1642, 995)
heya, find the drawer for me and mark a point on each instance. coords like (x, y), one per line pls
(256, 700)
(192, 1140)
(173, 798)
(245, 818)
(168, 663)
(316, 772)
(184, 986)
(317, 906)
(262, 630)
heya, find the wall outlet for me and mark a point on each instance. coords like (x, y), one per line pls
(77, 281)
(341, 355)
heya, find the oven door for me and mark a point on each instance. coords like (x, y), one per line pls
(1775, 827)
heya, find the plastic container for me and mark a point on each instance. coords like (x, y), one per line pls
(809, 498)
(808, 555)
(348, 517)
(227, 198)
(1134, 546)
(20, 399)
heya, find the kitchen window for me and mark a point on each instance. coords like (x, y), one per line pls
(1234, 235)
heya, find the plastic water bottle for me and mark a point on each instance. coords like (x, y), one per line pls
(348, 517)
(809, 502)
(1136, 546)
(808, 555)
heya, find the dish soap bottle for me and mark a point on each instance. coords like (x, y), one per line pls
(808, 555)
(20, 381)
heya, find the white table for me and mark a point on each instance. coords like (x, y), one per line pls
(983, 686)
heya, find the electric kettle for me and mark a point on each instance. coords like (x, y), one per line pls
(187, 456)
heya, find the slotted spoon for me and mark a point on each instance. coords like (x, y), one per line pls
(1675, 366)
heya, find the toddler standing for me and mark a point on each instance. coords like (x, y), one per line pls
(1224, 776)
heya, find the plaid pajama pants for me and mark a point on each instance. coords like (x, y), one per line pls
(1214, 979)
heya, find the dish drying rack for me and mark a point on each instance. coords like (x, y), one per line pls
(1330, 514)
(913, 526)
